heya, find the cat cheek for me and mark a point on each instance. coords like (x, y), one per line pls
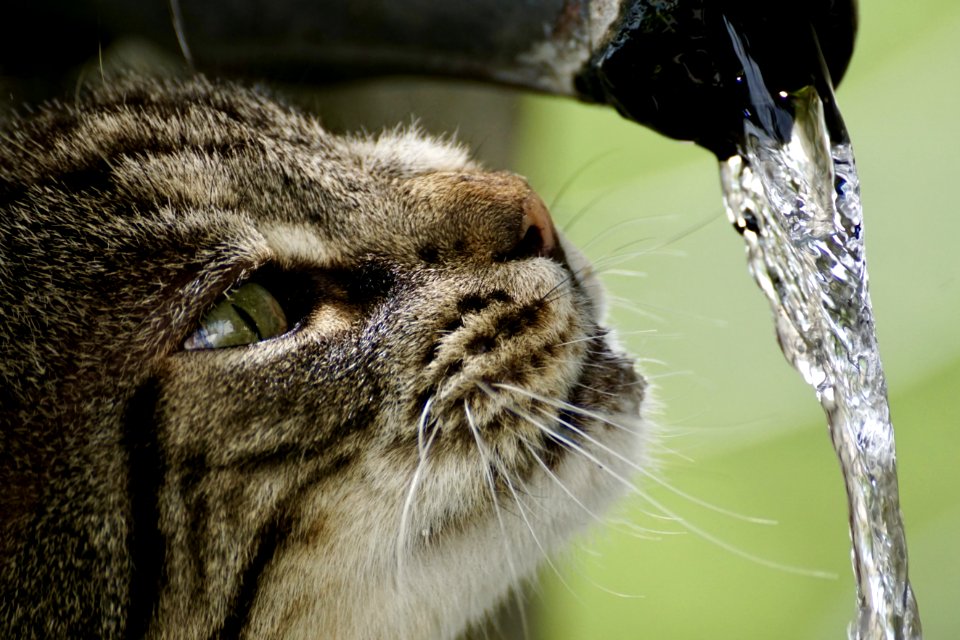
(331, 318)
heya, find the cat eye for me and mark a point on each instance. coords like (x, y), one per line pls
(248, 314)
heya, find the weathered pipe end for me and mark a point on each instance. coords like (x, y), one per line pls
(666, 64)
(671, 66)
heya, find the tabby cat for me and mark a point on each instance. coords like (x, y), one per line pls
(262, 381)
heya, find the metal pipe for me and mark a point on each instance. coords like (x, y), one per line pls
(666, 64)
(673, 66)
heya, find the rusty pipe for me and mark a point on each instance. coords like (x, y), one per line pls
(666, 64)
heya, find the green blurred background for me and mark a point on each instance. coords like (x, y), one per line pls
(742, 430)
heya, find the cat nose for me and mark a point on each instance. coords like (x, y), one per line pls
(494, 216)
(537, 235)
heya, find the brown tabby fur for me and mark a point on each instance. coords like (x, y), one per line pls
(262, 491)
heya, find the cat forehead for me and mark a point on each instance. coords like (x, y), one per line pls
(138, 115)
(180, 153)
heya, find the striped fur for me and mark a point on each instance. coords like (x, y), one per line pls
(389, 469)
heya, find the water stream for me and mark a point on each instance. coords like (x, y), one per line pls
(795, 199)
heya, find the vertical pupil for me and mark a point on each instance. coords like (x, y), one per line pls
(249, 314)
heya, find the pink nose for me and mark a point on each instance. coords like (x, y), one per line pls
(537, 235)
(483, 216)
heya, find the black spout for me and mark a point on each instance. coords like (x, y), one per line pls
(674, 66)
(667, 64)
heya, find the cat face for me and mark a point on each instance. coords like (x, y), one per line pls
(409, 401)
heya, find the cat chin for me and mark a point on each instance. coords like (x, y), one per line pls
(451, 576)
(448, 560)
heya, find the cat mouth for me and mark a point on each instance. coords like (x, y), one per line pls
(550, 392)
(501, 437)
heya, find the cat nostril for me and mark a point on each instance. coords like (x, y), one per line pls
(536, 216)
(537, 236)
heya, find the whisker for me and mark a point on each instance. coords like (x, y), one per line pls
(602, 392)
(630, 531)
(679, 373)
(562, 191)
(589, 512)
(488, 474)
(533, 534)
(626, 245)
(610, 261)
(598, 337)
(644, 309)
(103, 77)
(577, 448)
(582, 211)
(616, 229)
(698, 531)
(558, 481)
(619, 257)
(560, 404)
(644, 314)
(638, 531)
(683, 233)
(625, 527)
(572, 275)
(545, 297)
(177, 17)
(423, 448)
(627, 273)
(652, 476)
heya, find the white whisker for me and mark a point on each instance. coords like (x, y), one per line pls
(702, 533)
(533, 534)
(644, 310)
(485, 458)
(666, 485)
(620, 226)
(639, 310)
(600, 337)
(560, 404)
(177, 18)
(602, 392)
(684, 233)
(579, 449)
(423, 448)
(562, 191)
(586, 509)
(627, 273)
(644, 532)
(632, 530)
(617, 228)
(613, 259)
(582, 211)
(559, 482)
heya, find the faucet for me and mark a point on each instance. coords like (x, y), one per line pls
(666, 64)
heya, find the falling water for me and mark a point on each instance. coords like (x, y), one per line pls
(795, 199)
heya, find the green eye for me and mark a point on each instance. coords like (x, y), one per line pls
(249, 314)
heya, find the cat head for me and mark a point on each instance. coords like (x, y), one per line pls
(261, 378)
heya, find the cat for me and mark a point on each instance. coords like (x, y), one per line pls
(262, 381)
